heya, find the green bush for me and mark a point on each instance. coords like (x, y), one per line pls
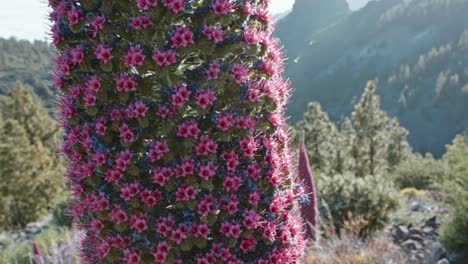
(367, 198)
(455, 229)
(61, 214)
(419, 172)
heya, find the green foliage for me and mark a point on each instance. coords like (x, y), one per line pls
(369, 198)
(380, 143)
(61, 214)
(320, 137)
(369, 143)
(420, 172)
(30, 173)
(455, 230)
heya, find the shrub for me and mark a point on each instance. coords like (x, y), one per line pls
(455, 229)
(61, 215)
(420, 172)
(175, 131)
(369, 198)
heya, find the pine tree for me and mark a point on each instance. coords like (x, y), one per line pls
(22, 105)
(345, 158)
(175, 130)
(30, 171)
(30, 182)
(320, 137)
(398, 148)
(370, 123)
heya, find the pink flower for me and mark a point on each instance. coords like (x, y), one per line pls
(117, 215)
(99, 203)
(98, 24)
(99, 158)
(208, 170)
(103, 53)
(222, 7)
(179, 234)
(139, 222)
(213, 33)
(134, 56)
(93, 84)
(231, 204)
(200, 230)
(182, 37)
(146, 4)
(206, 98)
(131, 257)
(96, 225)
(206, 205)
(165, 111)
(113, 175)
(205, 146)
(231, 229)
(181, 95)
(150, 198)
(158, 150)
(165, 58)
(128, 191)
(253, 36)
(186, 193)
(162, 175)
(248, 146)
(175, 5)
(232, 160)
(248, 244)
(225, 122)
(103, 249)
(126, 134)
(160, 252)
(252, 220)
(188, 129)
(240, 73)
(141, 22)
(90, 100)
(126, 83)
(139, 109)
(185, 168)
(74, 16)
(232, 183)
(254, 170)
(77, 55)
(123, 159)
(213, 71)
(245, 122)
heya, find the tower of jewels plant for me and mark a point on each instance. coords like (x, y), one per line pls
(175, 134)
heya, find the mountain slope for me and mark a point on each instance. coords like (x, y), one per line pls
(21, 60)
(333, 65)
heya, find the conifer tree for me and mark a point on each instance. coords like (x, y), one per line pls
(30, 182)
(320, 137)
(30, 171)
(370, 124)
(175, 131)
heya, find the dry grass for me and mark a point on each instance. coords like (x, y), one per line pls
(349, 248)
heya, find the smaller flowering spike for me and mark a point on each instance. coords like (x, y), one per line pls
(309, 208)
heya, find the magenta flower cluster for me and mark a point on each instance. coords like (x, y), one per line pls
(175, 133)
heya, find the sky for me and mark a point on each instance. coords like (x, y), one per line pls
(27, 19)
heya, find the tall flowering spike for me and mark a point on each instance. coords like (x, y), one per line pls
(173, 112)
(309, 205)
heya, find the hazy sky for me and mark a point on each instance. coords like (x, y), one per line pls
(27, 19)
